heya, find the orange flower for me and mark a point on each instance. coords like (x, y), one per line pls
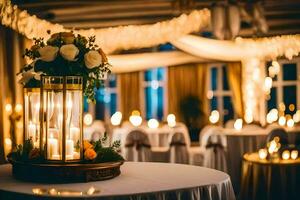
(90, 154)
(87, 145)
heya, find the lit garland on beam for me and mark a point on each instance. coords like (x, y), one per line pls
(110, 39)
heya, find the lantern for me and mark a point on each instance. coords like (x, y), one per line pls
(61, 114)
(31, 115)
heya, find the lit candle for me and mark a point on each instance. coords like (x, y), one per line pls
(69, 149)
(262, 153)
(52, 147)
(294, 154)
(285, 154)
(75, 134)
(32, 131)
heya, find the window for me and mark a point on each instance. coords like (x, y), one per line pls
(219, 92)
(286, 87)
(154, 85)
(106, 100)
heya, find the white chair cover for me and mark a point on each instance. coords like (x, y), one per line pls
(213, 141)
(178, 148)
(137, 146)
(229, 124)
(252, 127)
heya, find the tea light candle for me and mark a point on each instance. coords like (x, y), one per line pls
(69, 148)
(294, 154)
(262, 153)
(285, 154)
(75, 134)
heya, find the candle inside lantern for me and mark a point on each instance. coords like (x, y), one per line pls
(32, 131)
(285, 154)
(52, 148)
(69, 149)
(262, 153)
(294, 154)
(75, 134)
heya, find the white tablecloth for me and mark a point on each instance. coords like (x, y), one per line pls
(138, 180)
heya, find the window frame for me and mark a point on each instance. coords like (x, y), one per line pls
(219, 93)
(279, 84)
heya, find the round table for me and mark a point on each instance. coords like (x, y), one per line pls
(239, 143)
(265, 179)
(137, 180)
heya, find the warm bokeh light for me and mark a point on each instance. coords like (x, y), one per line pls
(116, 118)
(271, 71)
(263, 153)
(18, 108)
(214, 116)
(8, 108)
(135, 118)
(88, 119)
(210, 94)
(296, 116)
(171, 119)
(274, 145)
(272, 116)
(294, 154)
(238, 124)
(268, 83)
(276, 66)
(281, 106)
(248, 116)
(281, 121)
(153, 123)
(286, 155)
(290, 123)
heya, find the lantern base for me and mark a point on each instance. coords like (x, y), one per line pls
(64, 173)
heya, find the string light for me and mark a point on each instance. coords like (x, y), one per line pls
(281, 121)
(294, 154)
(263, 153)
(290, 123)
(285, 154)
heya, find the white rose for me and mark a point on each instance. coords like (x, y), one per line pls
(48, 53)
(69, 52)
(92, 59)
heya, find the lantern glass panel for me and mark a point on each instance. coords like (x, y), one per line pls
(31, 115)
(62, 112)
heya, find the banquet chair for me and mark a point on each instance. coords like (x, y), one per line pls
(214, 144)
(278, 132)
(137, 146)
(178, 148)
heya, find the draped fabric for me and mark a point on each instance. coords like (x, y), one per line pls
(11, 45)
(235, 84)
(184, 81)
(129, 90)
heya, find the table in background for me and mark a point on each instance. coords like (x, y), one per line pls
(263, 179)
(137, 180)
(239, 143)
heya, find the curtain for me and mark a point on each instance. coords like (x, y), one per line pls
(129, 90)
(11, 50)
(235, 84)
(184, 81)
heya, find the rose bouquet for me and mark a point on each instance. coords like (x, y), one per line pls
(66, 54)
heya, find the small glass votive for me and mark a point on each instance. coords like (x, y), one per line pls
(262, 153)
(294, 154)
(285, 155)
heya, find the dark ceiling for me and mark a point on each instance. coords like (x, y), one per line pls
(283, 16)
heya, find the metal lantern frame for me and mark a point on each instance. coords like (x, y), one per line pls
(64, 85)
